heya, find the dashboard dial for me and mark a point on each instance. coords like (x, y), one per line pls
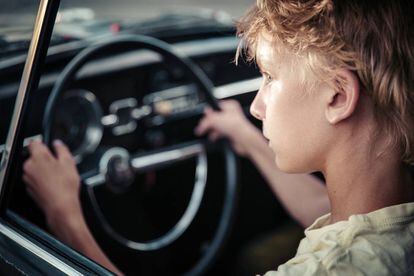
(78, 122)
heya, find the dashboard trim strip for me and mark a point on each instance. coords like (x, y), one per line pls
(237, 88)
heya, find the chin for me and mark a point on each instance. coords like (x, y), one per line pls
(287, 165)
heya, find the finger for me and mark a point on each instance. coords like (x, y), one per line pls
(62, 151)
(228, 104)
(224, 104)
(29, 179)
(208, 110)
(38, 149)
(28, 166)
(214, 136)
(33, 144)
(203, 126)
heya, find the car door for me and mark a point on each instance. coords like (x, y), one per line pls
(24, 248)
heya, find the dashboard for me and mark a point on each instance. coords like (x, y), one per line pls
(116, 94)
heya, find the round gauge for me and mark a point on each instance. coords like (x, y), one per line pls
(77, 122)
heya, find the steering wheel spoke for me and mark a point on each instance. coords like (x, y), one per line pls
(142, 162)
(166, 156)
(94, 180)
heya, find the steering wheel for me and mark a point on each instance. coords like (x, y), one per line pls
(117, 165)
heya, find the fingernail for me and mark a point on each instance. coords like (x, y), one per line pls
(57, 142)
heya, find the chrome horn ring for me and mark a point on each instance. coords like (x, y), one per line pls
(197, 151)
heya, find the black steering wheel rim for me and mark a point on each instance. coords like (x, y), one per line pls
(203, 82)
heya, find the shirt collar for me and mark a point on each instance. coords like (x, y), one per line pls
(396, 213)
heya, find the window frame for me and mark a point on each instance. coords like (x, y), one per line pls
(32, 247)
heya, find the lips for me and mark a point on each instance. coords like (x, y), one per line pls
(267, 139)
(264, 134)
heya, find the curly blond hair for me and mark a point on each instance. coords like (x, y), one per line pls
(374, 39)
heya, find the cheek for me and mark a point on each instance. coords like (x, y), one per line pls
(290, 124)
(279, 113)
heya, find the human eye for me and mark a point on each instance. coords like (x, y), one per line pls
(267, 78)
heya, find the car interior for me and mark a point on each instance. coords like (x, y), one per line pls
(125, 96)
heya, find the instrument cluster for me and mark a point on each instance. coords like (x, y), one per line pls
(80, 121)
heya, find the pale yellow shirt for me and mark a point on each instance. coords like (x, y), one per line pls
(377, 243)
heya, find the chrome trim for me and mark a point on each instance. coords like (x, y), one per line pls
(237, 88)
(38, 251)
(109, 120)
(21, 94)
(129, 127)
(26, 141)
(145, 162)
(169, 93)
(180, 227)
(123, 103)
(100, 178)
(96, 180)
(152, 161)
(94, 130)
(140, 112)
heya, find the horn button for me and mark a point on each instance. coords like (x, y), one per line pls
(115, 164)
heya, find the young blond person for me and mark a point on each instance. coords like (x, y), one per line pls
(337, 97)
(304, 196)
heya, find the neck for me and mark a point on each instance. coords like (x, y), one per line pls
(364, 191)
(359, 181)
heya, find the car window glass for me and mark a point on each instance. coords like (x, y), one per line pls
(102, 111)
(16, 27)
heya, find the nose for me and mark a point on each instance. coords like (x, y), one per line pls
(258, 107)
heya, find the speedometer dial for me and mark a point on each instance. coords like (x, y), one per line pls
(77, 122)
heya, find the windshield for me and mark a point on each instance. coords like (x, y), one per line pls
(21, 12)
(84, 19)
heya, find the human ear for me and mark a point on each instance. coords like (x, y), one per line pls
(343, 98)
